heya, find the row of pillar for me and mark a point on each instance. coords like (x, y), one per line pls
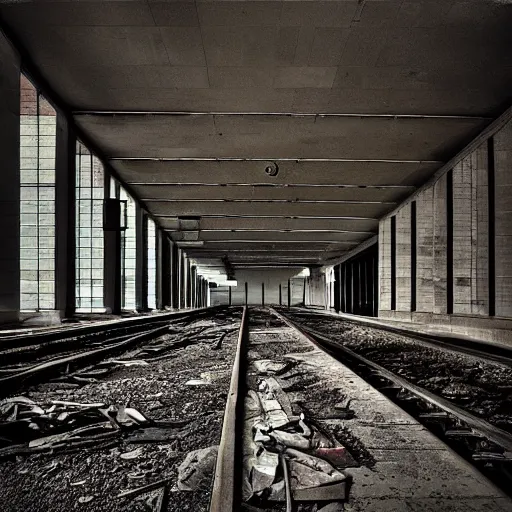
(356, 284)
(177, 284)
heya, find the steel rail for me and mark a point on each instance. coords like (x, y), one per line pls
(15, 381)
(25, 340)
(223, 497)
(494, 434)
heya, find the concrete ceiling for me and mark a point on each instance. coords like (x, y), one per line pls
(357, 102)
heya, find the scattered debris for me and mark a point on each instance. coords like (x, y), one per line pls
(28, 427)
(131, 493)
(133, 454)
(286, 457)
(197, 382)
(129, 362)
(74, 484)
(197, 469)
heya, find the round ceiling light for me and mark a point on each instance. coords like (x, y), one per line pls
(272, 169)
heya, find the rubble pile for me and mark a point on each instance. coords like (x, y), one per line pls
(28, 427)
(287, 457)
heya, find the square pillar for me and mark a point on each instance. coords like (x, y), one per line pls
(10, 189)
(65, 217)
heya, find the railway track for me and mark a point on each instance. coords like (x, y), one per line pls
(141, 404)
(20, 342)
(486, 446)
(272, 358)
(480, 350)
(48, 355)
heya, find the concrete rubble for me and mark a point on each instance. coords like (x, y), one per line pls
(274, 436)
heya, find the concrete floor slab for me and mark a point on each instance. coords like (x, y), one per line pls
(429, 505)
(382, 438)
(414, 474)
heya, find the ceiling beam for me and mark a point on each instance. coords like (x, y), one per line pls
(291, 172)
(274, 137)
(208, 208)
(269, 223)
(275, 236)
(271, 193)
(110, 113)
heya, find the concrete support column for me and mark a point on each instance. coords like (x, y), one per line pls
(470, 244)
(175, 276)
(200, 291)
(65, 214)
(112, 282)
(188, 274)
(440, 246)
(163, 269)
(384, 267)
(181, 279)
(10, 189)
(503, 220)
(424, 251)
(141, 264)
(193, 286)
(403, 259)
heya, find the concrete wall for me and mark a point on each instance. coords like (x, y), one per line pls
(271, 278)
(470, 239)
(466, 308)
(317, 288)
(424, 251)
(503, 177)
(403, 259)
(10, 179)
(385, 264)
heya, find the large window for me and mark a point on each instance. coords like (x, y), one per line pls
(151, 264)
(89, 231)
(128, 254)
(38, 123)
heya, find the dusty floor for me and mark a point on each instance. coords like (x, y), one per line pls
(91, 479)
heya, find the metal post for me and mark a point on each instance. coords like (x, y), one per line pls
(280, 295)
(289, 292)
(246, 293)
(262, 294)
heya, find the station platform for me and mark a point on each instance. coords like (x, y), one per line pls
(401, 465)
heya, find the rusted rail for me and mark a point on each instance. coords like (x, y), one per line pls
(224, 492)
